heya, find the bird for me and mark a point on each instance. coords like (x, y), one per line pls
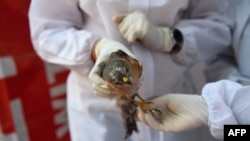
(122, 75)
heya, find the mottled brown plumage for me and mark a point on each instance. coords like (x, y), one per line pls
(122, 74)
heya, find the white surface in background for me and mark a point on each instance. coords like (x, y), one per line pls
(7, 67)
(19, 120)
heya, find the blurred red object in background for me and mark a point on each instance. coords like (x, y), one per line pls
(32, 92)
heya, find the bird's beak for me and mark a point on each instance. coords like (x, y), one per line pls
(129, 82)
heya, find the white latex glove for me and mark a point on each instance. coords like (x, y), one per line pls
(135, 26)
(180, 112)
(102, 52)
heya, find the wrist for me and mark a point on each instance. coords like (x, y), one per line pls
(177, 39)
(153, 38)
(165, 39)
(172, 40)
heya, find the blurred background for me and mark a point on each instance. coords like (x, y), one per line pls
(32, 92)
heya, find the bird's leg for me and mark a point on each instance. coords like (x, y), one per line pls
(138, 96)
(146, 107)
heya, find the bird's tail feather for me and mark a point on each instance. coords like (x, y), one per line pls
(128, 113)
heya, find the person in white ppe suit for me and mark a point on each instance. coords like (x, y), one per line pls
(233, 62)
(221, 103)
(69, 32)
(241, 36)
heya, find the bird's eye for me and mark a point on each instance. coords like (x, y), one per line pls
(125, 79)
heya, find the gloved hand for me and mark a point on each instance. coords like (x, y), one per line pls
(135, 26)
(101, 52)
(180, 112)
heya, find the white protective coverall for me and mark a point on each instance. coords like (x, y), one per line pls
(233, 63)
(241, 36)
(228, 103)
(64, 31)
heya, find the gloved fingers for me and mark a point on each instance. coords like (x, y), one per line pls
(123, 27)
(164, 100)
(141, 116)
(94, 75)
(102, 91)
(131, 35)
(177, 122)
(172, 102)
(129, 32)
(99, 84)
(95, 78)
(148, 119)
(183, 112)
(127, 23)
(169, 121)
(151, 122)
(118, 18)
(180, 112)
(104, 95)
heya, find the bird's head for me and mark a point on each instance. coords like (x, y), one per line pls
(117, 72)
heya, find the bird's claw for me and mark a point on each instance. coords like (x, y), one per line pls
(156, 114)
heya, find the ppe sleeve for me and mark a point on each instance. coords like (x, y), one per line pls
(241, 35)
(57, 34)
(228, 103)
(243, 52)
(206, 28)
